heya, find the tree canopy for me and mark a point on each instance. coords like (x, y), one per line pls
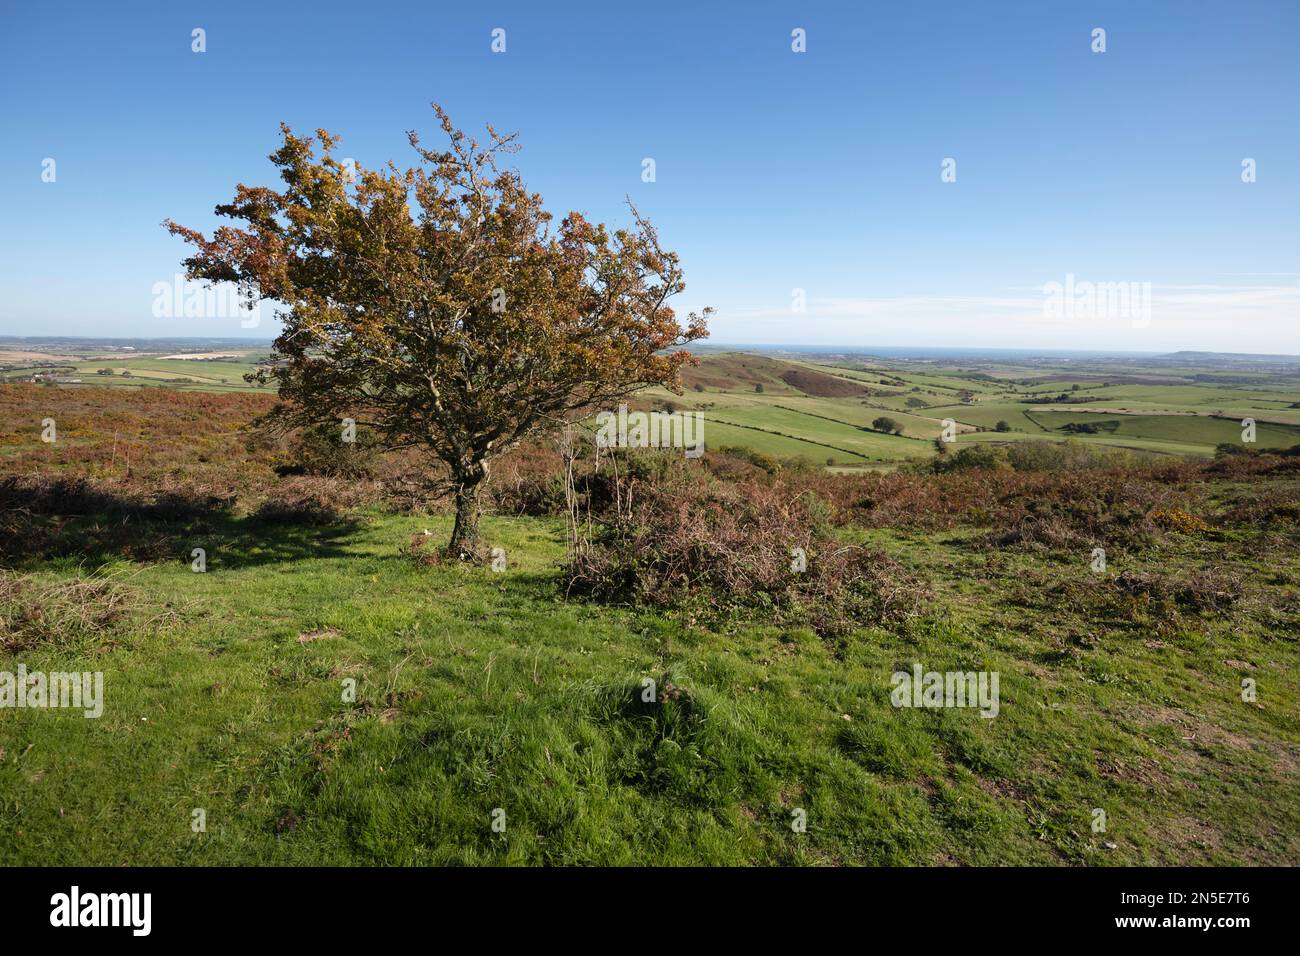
(439, 306)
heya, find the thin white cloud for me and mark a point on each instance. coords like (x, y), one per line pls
(1263, 318)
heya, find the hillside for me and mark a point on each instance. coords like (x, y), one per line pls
(329, 693)
(824, 412)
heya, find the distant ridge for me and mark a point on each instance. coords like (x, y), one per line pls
(1196, 357)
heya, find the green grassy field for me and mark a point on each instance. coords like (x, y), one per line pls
(850, 438)
(1186, 429)
(479, 693)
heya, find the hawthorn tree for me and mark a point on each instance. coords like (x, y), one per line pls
(438, 306)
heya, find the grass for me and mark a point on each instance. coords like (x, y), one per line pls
(479, 691)
(813, 428)
(860, 415)
(718, 434)
(1189, 429)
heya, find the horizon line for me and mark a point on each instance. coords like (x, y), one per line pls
(1045, 351)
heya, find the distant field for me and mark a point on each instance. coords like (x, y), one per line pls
(212, 371)
(224, 371)
(849, 438)
(915, 424)
(988, 415)
(823, 411)
(1189, 429)
(719, 434)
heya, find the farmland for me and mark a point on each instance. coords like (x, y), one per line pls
(823, 409)
(834, 403)
(211, 369)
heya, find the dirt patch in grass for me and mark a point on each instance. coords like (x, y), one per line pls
(1184, 833)
(1199, 732)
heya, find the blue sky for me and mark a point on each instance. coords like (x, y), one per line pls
(776, 171)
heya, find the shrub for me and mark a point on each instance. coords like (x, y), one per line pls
(320, 450)
(766, 463)
(1165, 600)
(1176, 519)
(1069, 455)
(1226, 448)
(972, 456)
(1142, 601)
(1267, 508)
(300, 501)
(694, 541)
(422, 548)
(528, 480)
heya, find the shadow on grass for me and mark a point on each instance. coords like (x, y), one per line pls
(46, 521)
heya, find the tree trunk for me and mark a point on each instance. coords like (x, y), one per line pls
(464, 536)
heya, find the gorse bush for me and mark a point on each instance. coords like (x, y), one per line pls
(1073, 510)
(979, 456)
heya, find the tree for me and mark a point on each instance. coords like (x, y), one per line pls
(438, 306)
(886, 424)
(1002, 426)
(759, 388)
(104, 371)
